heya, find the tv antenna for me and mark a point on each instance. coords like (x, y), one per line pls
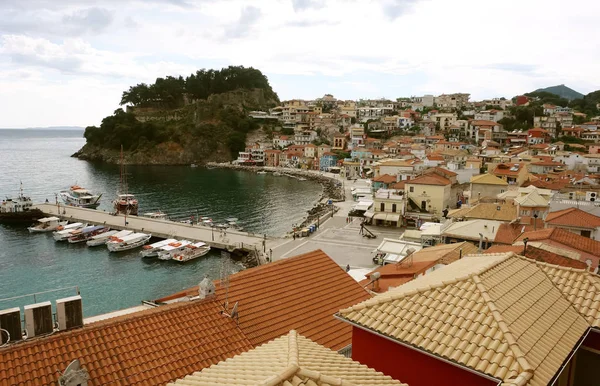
(225, 272)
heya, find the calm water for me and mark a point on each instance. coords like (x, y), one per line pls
(33, 263)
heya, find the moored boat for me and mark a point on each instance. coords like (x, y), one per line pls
(102, 238)
(84, 234)
(156, 215)
(19, 210)
(151, 250)
(126, 243)
(47, 224)
(64, 232)
(125, 203)
(80, 197)
(167, 252)
(191, 251)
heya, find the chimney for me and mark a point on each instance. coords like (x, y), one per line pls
(375, 280)
(480, 243)
(206, 288)
(525, 241)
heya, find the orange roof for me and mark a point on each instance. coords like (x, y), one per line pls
(547, 163)
(385, 178)
(508, 233)
(564, 237)
(435, 157)
(151, 347)
(430, 179)
(273, 151)
(301, 292)
(311, 145)
(398, 185)
(538, 130)
(440, 171)
(573, 217)
(505, 169)
(482, 122)
(539, 255)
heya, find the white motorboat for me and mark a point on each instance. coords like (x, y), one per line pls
(261, 172)
(84, 234)
(128, 242)
(80, 197)
(102, 238)
(47, 224)
(151, 250)
(191, 251)
(64, 232)
(156, 215)
(167, 252)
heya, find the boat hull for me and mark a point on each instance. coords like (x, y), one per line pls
(26, 217)
(183, 258)
(119, 247)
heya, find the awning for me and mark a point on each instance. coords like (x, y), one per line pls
(369, 214)
(380, 216)
(393, 217)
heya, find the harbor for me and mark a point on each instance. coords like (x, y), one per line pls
(224, 239)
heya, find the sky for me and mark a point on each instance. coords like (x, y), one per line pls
(67, 62)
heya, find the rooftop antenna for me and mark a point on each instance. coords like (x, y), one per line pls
(225, 271)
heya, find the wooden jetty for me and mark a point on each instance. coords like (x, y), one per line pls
(232, 241)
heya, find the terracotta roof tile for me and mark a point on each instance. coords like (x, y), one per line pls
(565, 238)
(286, 361)
(429, 179)
(147, 348)
(301, 293)
(573, 217)
(539, 254)
(498, 314)
(385, 178)
(488, 211)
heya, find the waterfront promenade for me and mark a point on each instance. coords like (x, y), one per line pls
(216, 238)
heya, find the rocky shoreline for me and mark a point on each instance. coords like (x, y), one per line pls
(332, 188)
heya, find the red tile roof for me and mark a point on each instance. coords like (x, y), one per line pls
(505, 169)
(573, 217)
(385, 178)
(539, 254)
(301, 293)
(430, 179)
(482, 122)
(508, 233)
(147, 348)
(564, 237)
(441, 172)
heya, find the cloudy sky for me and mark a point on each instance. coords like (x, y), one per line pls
(66, 62)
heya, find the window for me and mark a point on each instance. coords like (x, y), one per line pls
(382, 207)
(394, 208)
(412, 189)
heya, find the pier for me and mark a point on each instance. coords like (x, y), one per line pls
(229, 240)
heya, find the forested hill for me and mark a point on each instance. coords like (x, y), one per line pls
(176, 120)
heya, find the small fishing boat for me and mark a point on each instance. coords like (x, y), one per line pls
(47, 224)
(151, 250)
(207, 222)
(19, 210)
(166, 252)
(191, 251)
(125, 203)
(84, 234)
(103, 238)
(235, 226)
(64, 232)
(156, 215)
(261, 172)
(80, 197)
(126, 243)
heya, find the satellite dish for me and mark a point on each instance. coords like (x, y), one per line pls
(74, 375)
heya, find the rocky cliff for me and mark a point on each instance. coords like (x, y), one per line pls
(211, 129)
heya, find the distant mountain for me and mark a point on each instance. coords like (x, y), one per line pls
(79, 128)
(562, 91)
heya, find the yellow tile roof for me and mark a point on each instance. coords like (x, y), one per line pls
(289, 360)
(488, 179)
(499, 314)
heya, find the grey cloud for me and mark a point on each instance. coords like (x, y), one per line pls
(248, 18)
(311, 23)
(301, 5)
(513, 67)
(396, 8)
(67, 65)
(90, 20)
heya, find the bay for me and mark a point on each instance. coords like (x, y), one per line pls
(40, 159)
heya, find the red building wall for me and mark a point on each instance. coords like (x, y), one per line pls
(408, 365)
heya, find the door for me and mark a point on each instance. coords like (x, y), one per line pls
(424, 205)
